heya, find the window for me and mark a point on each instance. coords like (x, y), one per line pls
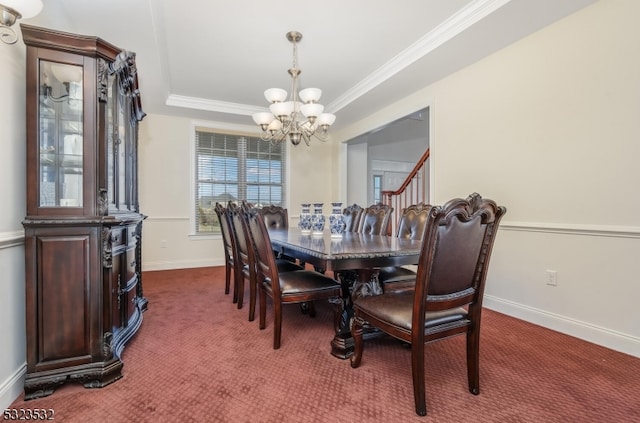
(377, 189)
(233, 168)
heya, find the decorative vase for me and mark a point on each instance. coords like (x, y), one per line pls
(305, 219)
(317, 219)
(336, 221)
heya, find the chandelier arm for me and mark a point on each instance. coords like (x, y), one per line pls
(306, 138)
(321, 135)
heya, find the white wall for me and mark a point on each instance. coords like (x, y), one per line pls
(549, 128)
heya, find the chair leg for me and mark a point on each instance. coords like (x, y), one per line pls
(312, 308)
(358, 343)
(473, 360)
(235, 286)
(277, 323)
(227, 278)
(241, 290)
(252, 299)
(263, 308)
(417, 371)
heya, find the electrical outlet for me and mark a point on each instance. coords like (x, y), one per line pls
(552, 277)
(163, 243)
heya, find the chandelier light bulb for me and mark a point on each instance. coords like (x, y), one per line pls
(263, 118)
(326, 119)
(275, 95)
(311, 110)
(274, 126)
(310, 95)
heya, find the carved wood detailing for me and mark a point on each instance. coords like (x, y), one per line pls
(107, 258)
(103, 202)
(125, 67)
(102, 80)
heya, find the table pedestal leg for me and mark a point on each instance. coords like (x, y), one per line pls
(354, 284)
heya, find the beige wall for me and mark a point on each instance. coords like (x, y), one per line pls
(549, 128)
(166, 190)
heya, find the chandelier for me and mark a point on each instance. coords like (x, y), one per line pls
(298, 118)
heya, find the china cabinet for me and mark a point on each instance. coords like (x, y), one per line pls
(83, 227)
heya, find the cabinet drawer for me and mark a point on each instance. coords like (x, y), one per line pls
(118, 237)
(131, 235)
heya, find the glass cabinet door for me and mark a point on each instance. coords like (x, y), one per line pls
(120, 153)
(112, 135)
(61, 134)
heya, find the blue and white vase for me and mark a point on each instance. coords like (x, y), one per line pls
(336, 221)
(305, 219)
(317, 219)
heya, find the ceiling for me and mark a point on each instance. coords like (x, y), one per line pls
(212, 60)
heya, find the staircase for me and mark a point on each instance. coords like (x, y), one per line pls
(413, 190)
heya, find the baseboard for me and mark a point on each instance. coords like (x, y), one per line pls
(180, 264)
(585, 331)
(11, 388)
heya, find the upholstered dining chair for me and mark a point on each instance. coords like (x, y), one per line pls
(447, 299)
(275, 216)
(411, 226)
(228, 243)
(284, 264)
(243, 257)
(300, 286)
(351, 216)
(375, 220)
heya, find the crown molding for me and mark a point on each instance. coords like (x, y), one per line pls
(456, 24)
(212, 105)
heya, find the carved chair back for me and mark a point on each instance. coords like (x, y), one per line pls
(275, 217)
(375, 220)
(351, 216)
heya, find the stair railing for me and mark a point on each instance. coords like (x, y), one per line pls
(412, 191)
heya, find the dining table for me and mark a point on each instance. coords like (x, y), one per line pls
(354, 258)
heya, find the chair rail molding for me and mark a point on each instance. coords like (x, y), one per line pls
(573, 229)
(11, 239)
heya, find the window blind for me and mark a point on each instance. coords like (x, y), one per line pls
(234, 168)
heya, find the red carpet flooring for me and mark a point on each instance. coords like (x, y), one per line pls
(197, 358)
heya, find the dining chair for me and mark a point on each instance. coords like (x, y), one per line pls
(283, 264)
(243, 257)
(228, 244)
(411, 226)
(351, 216)
(375, 220)
(294, 287)
(447, 299)
(275, 217)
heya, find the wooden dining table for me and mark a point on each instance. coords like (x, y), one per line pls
(354, 259)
